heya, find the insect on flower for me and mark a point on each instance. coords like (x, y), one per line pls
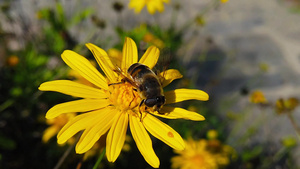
(147, 84)
(117, 101)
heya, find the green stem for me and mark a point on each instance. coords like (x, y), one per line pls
(174, 15)
(279, 154)
(67, 152)
(65, 155)
(6, 104)
(100, 158)
(296, 127)
(207, 8)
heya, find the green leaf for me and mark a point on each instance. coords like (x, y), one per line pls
(60, 13)
(253, 153)
(7, 143)
(80, 16)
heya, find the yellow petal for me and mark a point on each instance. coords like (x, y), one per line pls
(72, 88)
(152, 6)
(179, 113)
(150, 57)
(49, 133)
(82, 105)
(104, 61)
(180, 95)
(130, 54)
(94, 132)
(116, 137)
(163, 132)
(143, 141)
(84, 68)
(77, 124)
(170, 75)
(138, 5)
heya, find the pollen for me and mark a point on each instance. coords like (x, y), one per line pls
(124, 97)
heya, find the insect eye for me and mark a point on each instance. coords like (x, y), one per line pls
(150, 102)
(160, 99)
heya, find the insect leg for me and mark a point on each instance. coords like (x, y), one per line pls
(115, 83)
(142, 102)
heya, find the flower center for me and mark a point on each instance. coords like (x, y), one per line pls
(124, 97)
(198, 160)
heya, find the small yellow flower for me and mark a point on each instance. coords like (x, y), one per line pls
(152, 5)
(202, 154)
(224, 1)
(292, 103)
(289, 142)
(285, 106)
(12, 60)
(264, 67)
(150, 38)
(194, 156)
(110, 108)
(258, 97)
(212, 134)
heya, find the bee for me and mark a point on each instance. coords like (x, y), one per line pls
(147, 84)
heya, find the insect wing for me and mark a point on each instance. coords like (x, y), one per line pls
(104, 62)
(163, 64)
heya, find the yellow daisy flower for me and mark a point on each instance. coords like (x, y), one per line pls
(286, 105)
(258, 97)
(152, 5)
(194, 156)
(203, 154)
(110, 106)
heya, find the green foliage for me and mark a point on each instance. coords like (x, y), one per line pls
(137, 34)
(252, 153)
(56, 32)
(7, 143)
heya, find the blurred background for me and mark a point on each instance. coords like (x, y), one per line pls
(244, 54)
